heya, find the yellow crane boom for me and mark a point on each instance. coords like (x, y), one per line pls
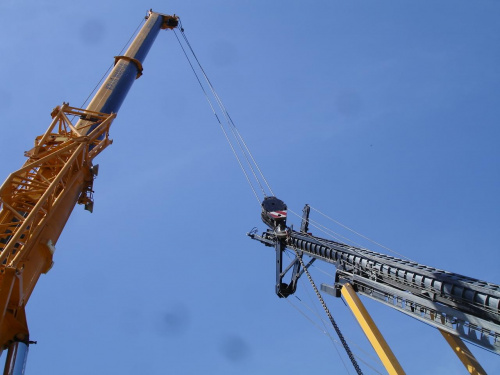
(37, 200)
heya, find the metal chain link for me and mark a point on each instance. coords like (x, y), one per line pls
(334, 324)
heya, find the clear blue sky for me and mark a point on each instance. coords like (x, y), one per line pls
(384, 115)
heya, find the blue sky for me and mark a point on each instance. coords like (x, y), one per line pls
(383, 115)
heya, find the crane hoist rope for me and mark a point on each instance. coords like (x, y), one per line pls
(245, 152)
(228, 117)
(251, 163)
(220, 123)
(363, 257)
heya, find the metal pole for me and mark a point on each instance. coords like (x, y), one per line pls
(15, 363)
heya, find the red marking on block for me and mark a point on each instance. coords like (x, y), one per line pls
(277, 214)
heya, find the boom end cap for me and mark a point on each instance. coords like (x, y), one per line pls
(170, 22)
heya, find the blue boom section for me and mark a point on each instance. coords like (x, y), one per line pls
(119, 84)
(127, 69)
(123, 76)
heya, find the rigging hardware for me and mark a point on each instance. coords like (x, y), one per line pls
(464, 307)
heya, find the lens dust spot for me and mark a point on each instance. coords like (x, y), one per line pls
(176, 321)
(92, 31)
(235, 349)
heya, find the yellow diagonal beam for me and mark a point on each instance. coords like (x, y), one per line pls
(371, 331)
(463, 353)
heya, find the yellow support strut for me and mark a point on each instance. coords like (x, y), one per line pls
(463, 353)
(371, 331)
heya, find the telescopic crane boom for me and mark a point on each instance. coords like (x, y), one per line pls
(37, 200)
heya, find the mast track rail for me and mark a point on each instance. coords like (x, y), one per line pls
(461, 305)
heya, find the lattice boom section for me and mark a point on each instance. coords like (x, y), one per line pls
(30, 194)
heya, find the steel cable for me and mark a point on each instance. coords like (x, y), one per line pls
(251, 162)
(218, 120)
(233, 129)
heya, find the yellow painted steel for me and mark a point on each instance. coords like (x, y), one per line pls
(371, 331)
(37, 199)
(463, 353)
(35, 203)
